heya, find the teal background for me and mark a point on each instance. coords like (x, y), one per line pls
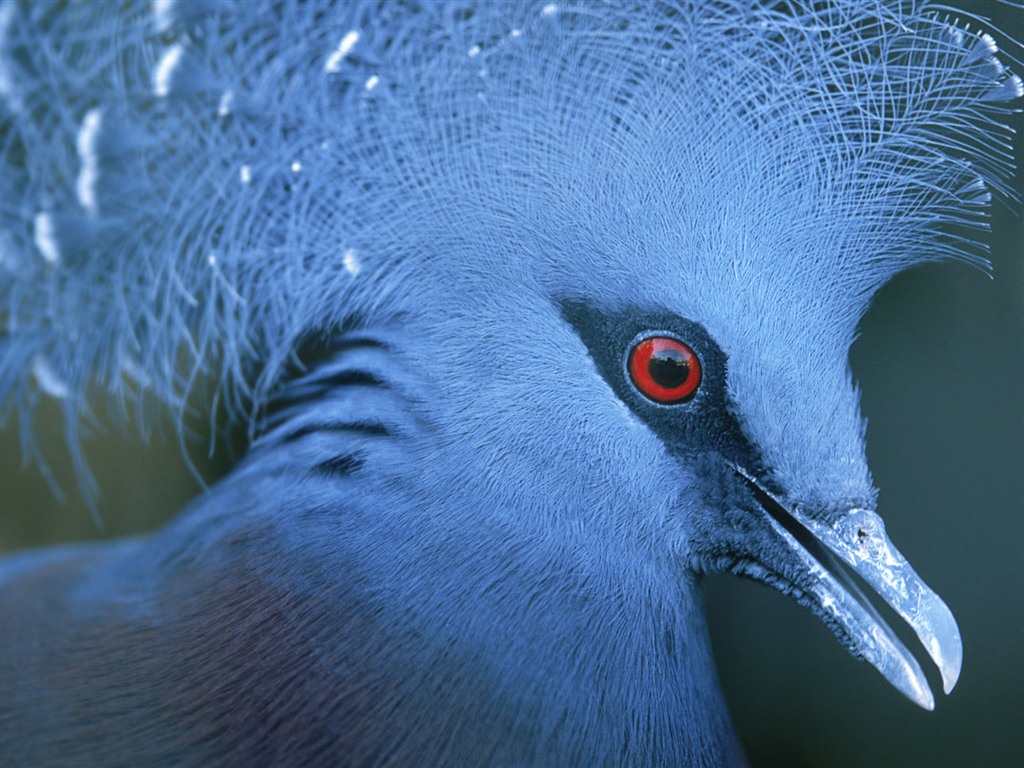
(941, 365)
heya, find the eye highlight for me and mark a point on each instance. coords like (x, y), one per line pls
(664, 369)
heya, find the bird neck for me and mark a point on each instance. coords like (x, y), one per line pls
(532, 635)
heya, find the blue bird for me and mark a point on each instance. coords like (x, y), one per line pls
(535, 313)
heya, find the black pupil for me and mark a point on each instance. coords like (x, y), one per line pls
(668, 368)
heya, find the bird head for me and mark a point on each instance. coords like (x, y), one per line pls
(652, 267)
(621, 254)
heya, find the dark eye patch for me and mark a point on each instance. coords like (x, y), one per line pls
(697, 418)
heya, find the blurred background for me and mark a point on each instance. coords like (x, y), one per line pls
(941, 365)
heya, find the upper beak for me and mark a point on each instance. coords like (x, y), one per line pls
(858, 540)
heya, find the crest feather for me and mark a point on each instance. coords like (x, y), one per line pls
(191, 188)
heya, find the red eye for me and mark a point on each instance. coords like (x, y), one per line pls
(664, 369)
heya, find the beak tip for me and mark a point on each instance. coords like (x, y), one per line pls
(950, 675)
(909, 679)
(943, 640)
(951, 671)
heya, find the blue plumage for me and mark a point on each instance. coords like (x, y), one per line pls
(409, 246)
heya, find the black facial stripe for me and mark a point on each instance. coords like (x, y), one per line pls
(706, 420)
(342, 465)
